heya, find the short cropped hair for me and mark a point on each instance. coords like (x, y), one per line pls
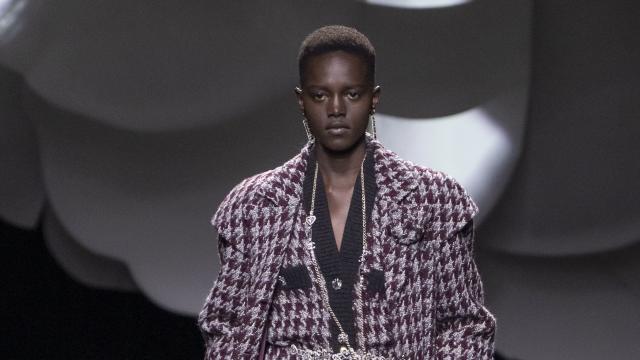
(333, 38)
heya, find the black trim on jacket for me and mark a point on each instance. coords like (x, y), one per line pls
(341, 264)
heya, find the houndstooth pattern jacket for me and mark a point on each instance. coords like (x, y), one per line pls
(420, 237)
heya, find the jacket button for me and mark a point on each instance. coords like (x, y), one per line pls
(337, 284)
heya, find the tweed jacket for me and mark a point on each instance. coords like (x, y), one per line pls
(420, 237)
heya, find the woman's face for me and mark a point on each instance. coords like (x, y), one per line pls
(337, 99)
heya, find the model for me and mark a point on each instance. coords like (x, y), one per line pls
(346, 251)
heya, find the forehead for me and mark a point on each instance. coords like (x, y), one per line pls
(335, 68)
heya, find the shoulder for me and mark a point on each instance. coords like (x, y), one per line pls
(442, 188)
(231, 213)
(237, 212)
(449, 206)
(391, 165)
(436, 185)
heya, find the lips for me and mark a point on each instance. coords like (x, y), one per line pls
(337, 129)
(337, 125)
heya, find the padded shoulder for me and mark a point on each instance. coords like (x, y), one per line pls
(230, 220)
(449, 205)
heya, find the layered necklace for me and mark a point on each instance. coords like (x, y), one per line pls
(346, 350)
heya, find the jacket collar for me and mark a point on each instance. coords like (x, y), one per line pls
(395, 178)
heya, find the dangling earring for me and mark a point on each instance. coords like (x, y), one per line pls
(305, 123)
(372, 120)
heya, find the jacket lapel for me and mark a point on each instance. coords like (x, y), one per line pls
(395, 178)
(397, 211)
(395, 214)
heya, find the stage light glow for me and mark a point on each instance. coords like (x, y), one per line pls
(4, 5)
(10, 11)
(470, 146)
(417, 4)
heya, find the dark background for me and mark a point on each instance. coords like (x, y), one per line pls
(48, 315)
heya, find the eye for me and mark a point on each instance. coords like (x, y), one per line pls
(318, 96)
(353, 95)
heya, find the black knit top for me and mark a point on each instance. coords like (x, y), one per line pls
(340, 268)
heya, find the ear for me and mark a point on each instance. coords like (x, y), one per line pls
(376, 96)
(298, 92)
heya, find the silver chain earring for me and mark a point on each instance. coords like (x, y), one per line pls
(372, 120)
(305, 123)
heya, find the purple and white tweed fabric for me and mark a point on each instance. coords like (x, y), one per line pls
(420, 236)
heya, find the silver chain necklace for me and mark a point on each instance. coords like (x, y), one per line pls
(345, 348)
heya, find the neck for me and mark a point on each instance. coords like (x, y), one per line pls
(339, 169)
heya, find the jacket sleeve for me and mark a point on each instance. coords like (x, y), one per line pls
(220, 311)
(465, 329)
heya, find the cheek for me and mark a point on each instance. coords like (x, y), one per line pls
(313, 113)
(361, 116)
(315, 121)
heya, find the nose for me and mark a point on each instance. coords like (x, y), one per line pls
(336, 106)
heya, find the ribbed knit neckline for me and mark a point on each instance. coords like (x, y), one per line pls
(341, 264)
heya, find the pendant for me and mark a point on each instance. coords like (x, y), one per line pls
(343, 338)
(311, 219)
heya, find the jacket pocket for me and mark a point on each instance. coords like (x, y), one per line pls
(294, 277)
(375, 282)
(405, 224)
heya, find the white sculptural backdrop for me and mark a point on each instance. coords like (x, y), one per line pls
(124, 123)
